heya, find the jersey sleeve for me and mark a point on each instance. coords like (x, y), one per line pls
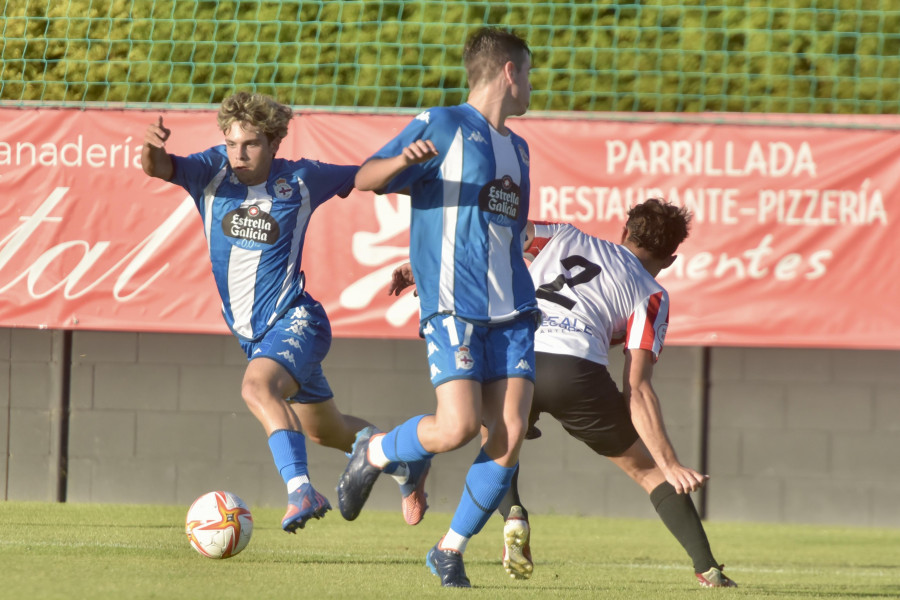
(543, 233)
(420, 128)
(648, 323)
(330, 181)
(194, 172)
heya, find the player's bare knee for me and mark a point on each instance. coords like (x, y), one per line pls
(255, 393)
(456, 435)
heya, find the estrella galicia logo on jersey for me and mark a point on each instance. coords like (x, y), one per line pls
(501, 197)
(249, 227)
(464, 358)
(282, 188)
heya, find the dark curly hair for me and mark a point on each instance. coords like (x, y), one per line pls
(658, 226)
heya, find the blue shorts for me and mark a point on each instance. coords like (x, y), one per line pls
(299, 342)
(461, 350)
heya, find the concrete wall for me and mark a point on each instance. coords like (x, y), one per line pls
(795, 435)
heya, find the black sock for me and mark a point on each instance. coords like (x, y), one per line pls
(511, 498)
(680, 516)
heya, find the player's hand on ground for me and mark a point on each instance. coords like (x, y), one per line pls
(402, 278)
(685, 480)
(419, 151)
(156, 134)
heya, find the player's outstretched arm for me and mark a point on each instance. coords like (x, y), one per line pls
(647, 418)
(376, 173)
(155, 161)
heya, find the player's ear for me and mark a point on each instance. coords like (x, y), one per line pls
(509, 71)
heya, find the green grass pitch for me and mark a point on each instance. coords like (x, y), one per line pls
(99, 551)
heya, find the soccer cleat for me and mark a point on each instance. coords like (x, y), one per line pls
(715, 578)
(304, 504)
(448, 565)
(358, 477)
(414, 503)
(516, 545)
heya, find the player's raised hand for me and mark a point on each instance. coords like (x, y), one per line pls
(419, 151)
(157, 134)
(401, 278)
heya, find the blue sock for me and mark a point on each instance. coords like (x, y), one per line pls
(486, 484)
(289, 451)
(402, 442)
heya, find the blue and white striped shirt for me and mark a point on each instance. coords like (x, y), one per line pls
(255, 233)
(469, 211)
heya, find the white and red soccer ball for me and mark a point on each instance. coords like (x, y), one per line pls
(219, 525)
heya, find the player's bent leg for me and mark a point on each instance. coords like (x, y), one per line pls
(325, 425)
(638, 464)
(676, 511)
(264, 388)
(506, 406)
(457, 419)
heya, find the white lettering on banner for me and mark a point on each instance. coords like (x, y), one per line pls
(71, 154)
(755, 263)
(129, 264)
(822, 207)
(796, 207)
(369, 249)
(683, 157)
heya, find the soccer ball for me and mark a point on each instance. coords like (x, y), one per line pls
(219, 525)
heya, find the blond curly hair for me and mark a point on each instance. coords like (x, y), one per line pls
(257, 110)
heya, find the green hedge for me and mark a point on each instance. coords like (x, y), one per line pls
(800, 56)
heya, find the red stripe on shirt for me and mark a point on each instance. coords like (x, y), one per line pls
(648, 336)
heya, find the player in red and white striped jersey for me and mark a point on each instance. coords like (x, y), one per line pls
(594, 294)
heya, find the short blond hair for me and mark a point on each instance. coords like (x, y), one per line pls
(257, 110)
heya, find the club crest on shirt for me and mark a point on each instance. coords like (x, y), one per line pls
(464, 358)
(501, 197)
(250, 227)
(282, 188)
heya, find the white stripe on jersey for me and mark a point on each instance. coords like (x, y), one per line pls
(303, 215)
(242, 268)
(209, 198)
(501, 301)
(451, 175)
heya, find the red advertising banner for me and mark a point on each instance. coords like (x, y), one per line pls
(793, 239)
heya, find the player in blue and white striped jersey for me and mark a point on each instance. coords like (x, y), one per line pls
(468, 177)
(256, 209)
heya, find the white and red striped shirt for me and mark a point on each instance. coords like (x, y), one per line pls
(593, 294)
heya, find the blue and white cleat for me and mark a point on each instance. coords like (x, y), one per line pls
(304, 504)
